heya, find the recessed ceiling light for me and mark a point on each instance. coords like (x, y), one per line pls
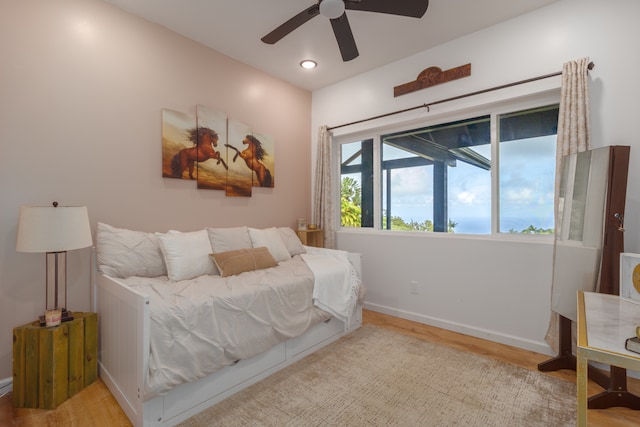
(308, 64)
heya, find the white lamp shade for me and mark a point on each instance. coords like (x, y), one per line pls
(53, 229)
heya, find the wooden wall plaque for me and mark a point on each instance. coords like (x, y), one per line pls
(432, 76)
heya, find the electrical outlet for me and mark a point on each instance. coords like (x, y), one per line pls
(413, 287)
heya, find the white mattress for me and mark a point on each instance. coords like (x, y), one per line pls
(199, 326)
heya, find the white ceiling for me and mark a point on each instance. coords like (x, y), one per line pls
(235, 27)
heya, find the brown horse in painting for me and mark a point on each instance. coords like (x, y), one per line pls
(205, 140)
(252, 156)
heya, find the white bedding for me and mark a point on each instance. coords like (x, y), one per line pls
(201, 325)
(336, 282)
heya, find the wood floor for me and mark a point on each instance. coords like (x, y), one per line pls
(95, 406)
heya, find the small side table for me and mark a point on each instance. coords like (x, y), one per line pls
(604, 323)
(311, 237)
(52, 364)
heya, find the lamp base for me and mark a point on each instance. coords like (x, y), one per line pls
(66, 316)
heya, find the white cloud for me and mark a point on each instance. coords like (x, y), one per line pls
(411, 181)
(466, 197)
(522, 195)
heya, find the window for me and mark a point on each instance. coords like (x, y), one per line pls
(527, 170)
(486, 172)
(432, 175)
(356, 192)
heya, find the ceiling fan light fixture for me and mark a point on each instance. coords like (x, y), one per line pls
(332, 9)
(308, 64)
(335, 11)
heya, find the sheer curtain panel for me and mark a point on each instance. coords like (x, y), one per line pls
(323, 207)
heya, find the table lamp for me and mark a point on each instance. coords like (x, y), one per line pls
(54, 230)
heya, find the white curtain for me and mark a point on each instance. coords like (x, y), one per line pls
(574, 136)
(574, 133)
(323, 211)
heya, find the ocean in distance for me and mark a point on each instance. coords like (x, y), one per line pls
(475, 225)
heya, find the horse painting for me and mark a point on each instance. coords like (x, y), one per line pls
(252, 156)
(205, 140)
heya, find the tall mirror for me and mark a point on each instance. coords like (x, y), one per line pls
(589, 240)
(580, 227)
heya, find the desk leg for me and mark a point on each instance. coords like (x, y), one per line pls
(616, 394)
(565, 358)
(582, 371)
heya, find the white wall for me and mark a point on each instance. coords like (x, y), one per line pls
(82, 86)
(493, 288)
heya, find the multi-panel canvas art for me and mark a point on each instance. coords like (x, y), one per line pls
(218, 153)
(212, 165)
(264, 169)
(175, 139)
(239, 177)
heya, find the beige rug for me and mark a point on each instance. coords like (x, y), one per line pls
(376, 377)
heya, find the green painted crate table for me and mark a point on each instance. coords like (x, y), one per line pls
(52, 364)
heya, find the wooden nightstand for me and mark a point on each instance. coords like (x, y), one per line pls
(311, 237)
(52, 364)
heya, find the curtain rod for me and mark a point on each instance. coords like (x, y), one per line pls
(546, 76)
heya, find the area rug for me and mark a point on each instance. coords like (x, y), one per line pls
(377, 377)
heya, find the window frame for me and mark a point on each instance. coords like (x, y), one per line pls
(492, 109)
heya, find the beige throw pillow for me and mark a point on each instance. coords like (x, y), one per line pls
(235, 262)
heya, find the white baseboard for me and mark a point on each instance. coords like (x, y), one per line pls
(538, 347)
(6, 385)
(542, 348)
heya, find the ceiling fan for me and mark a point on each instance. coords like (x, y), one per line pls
(335, 11)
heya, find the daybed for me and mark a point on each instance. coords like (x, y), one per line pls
(188, 319)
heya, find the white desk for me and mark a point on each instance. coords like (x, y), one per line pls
(604, 323)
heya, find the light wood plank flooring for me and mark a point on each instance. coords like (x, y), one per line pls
(95, 406)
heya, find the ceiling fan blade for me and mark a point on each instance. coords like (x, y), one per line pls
(410, 8)
(344, 37)
(293, 23)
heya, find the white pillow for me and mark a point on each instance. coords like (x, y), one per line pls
(187, 254)
(229, 239)
(123, 253)
(270, 237)
(291, 241)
